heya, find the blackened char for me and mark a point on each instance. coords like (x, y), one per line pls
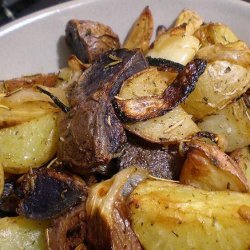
(160, 162)
(103, 73)
(91, 133)
(47, 193)
(89, 39)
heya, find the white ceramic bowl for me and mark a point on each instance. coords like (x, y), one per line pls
(35, 44)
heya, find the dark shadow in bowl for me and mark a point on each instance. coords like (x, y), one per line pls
(63, 52)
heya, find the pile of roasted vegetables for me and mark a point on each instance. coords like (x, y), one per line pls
(133, 146)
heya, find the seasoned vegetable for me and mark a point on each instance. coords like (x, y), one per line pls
(172, 127)
(192, 20)
(13, 115)
(89, 39)
(28, 145)
(168, 215)
(141, 32)
(179, 48)
(208, 168)
(232, 122)
(242, 157)
(144, 108)
(220, 84)
(21, 233)
(215, 33)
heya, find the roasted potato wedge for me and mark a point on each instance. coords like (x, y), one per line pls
(167, 215)
(221, 83)
(177, 48)
(14, 115)
(141, 32)
(208, 168)
(1, 179)
(29, 145)
(192, 20)
(242, 157)
(21, 233)
(172, 127)
(232, 122)
(215, 33)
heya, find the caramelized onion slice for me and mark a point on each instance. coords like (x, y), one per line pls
(149, 107)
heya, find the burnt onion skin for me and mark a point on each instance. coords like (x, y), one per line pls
(145, 108)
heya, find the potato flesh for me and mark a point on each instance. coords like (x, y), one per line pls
(1, 180)
(28, 145)
(172, 127)
(21, 233)
(233, 123)
(166, 215)
(192, 20)
(180, 49)
(221, 83)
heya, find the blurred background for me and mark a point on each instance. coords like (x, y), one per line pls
(13, 9)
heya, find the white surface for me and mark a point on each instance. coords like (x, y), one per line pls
(36, 44)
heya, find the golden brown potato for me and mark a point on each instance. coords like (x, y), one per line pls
(172, 127)
(14, 115)
(236, 53)
(242, 157)
(167, 215)
(208, 168)
(1, 179)
(191, 18)
(29, 145)
(215, 33)
(141, 32)
(21, 233)
(232, 123)
(221, 83)
(178, 48)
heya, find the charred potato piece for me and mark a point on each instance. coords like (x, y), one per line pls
(191, 19)
(14, 115)
(29, 145)
(242, 157)
(208, 168)
(215, 33)
(232, 122)
(144, 108)
(167, 215)
(89, 39)
(220, 84)
(47, 193)
(141, 32)
(175, 45)
(21, 233)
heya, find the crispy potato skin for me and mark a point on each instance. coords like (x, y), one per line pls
(141, 32)
(168, 215)
(208, 168)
